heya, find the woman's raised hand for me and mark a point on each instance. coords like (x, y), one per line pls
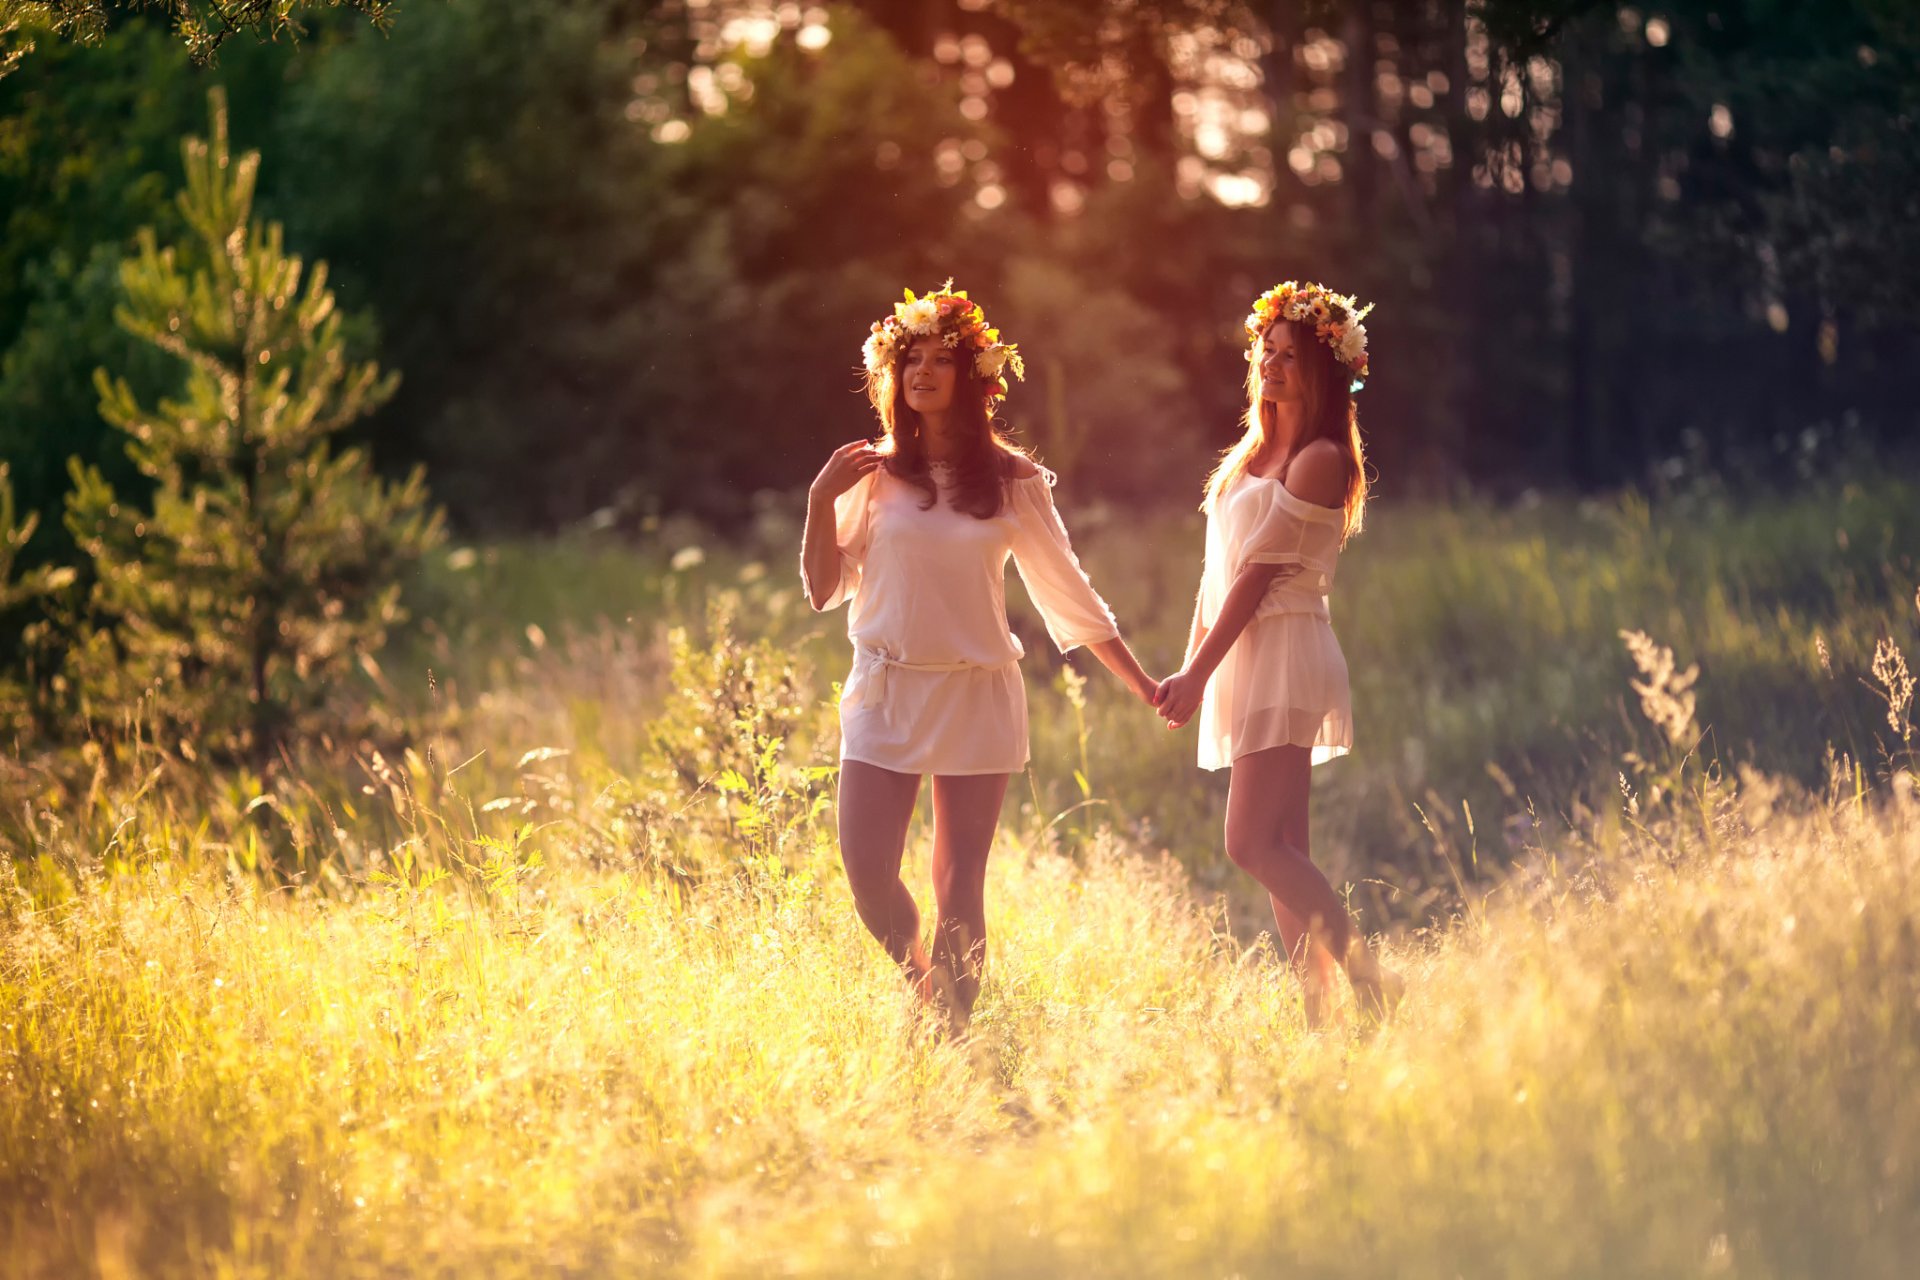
(844, 468)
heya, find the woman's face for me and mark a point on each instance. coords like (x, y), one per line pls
(928, 375)
(1279, 369)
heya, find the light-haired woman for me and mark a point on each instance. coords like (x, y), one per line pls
(915, 531)
(1263, 668)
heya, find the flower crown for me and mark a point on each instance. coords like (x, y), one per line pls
(959, 323)
(1335, 319)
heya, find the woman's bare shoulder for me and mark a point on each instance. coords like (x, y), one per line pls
(1019, 466)
(1318, 473)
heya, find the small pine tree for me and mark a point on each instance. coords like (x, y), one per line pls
(269, 565)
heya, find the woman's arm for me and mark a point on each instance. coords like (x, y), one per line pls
(1196, 634)
(819, 545)
(819, 553)
(1316, 475)
(1179, 695)
(1117, 658)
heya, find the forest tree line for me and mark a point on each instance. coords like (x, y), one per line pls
(623, 252)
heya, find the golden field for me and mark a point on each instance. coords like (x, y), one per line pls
(562, 977)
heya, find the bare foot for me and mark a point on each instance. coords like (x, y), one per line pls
(937, 992)
(1377, 989)
(1317, 1001)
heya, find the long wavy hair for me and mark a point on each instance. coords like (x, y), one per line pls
(1330, 414)
(986, 458)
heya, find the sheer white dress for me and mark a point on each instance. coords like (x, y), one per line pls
(1284, 681)
(935, 686)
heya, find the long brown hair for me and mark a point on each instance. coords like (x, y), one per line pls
(1330, 415)
(986, 457)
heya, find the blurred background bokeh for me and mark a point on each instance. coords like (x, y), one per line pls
(624, 252)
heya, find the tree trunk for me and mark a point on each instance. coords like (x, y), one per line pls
(1464, 404)
(1152, 97)
(1281, 80)
(913, 24)
(1031, 114)
(1357, 107)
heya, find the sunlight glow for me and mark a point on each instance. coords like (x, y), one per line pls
(1237, 190)
(755, 33)
(1190, 177)
(949, 161)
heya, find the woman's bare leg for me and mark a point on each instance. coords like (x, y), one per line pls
(876, 807)
(1312, 962)
(966, 811)
(1267, 787)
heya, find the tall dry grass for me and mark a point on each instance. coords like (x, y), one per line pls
(1630, 1060)
(568, 981)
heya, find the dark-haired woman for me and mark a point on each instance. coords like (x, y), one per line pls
(915, 531)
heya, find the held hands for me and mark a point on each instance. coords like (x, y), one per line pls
(844, 468)
(1178, 697)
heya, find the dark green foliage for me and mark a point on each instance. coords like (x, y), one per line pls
(627, 261)
(1104, 392)
(49, 411)
(592, 318)
(203, 27)
(268, 564)
(91, 155)
(18, 589)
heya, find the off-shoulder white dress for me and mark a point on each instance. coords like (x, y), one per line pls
(1284, 681)
(935, 686)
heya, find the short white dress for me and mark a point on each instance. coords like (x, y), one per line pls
(935, 686)
(1284, 681)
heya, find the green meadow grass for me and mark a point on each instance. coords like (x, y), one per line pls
(1488, 673)
(565, 979)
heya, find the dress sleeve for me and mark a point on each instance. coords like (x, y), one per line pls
(1074, 612)
(852, 525)
(1296, 533)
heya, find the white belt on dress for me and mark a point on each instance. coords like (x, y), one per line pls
(884, 663)
(1283, 603)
